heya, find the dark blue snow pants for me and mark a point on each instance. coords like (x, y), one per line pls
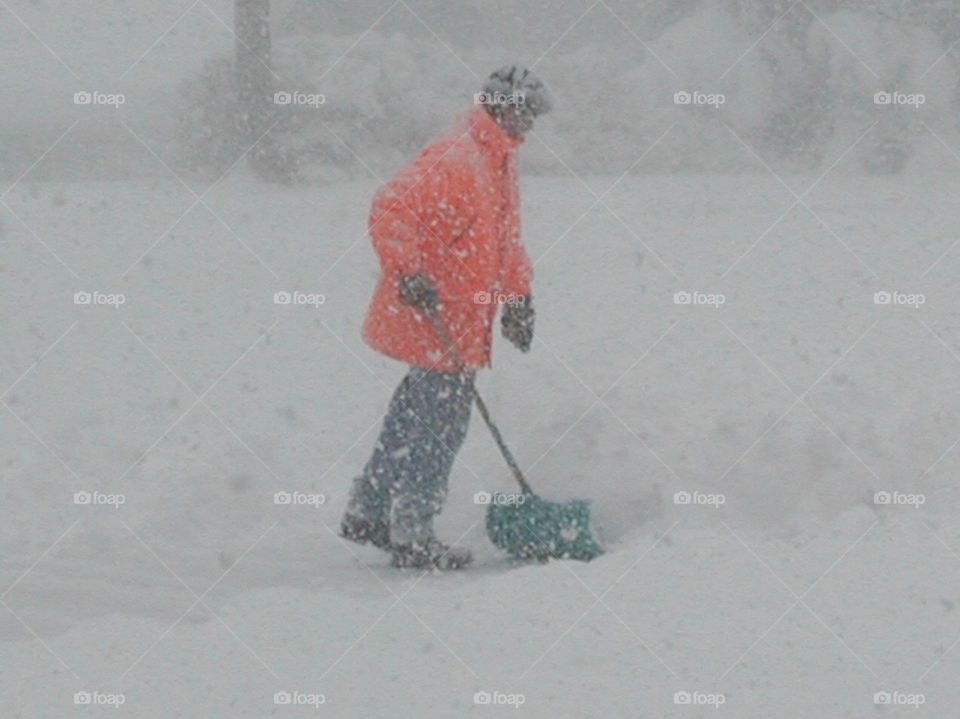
(405, 480)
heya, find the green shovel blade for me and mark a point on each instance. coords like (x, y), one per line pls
(528, 527)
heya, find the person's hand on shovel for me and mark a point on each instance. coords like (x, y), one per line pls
(419, 291)
(517, 321)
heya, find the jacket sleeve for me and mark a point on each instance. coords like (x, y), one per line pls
(419, 207)
(518, 270)
(395, 229)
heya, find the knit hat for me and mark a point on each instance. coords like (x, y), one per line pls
(515, 85)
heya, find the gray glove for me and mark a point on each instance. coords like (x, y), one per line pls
(516, 323)
(419, 291)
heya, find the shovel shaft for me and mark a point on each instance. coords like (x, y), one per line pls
(504, 450)
(451, 347)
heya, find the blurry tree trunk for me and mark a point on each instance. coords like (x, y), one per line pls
(255, 89)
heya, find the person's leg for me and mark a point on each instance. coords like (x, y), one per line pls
(437, 416)
(368, 511)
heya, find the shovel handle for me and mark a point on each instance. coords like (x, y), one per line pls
(451, 347)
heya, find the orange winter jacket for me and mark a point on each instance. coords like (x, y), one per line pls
(453, 215)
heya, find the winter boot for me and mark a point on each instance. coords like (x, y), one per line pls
(430, 554)
(360, 530)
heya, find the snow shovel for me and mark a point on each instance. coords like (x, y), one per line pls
(525, 525)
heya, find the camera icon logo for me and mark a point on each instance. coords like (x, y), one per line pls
(282, 498)
(882, 698)
(482, 298)
(82, 497)
(882, 498)
(82, 98)
(82, 698)
(682, 298)
(482, 498)
(882, 298)
(282, 98)
(282, 298)
(82, 298)
(683, 497)
(283, 698)
(682, 98)
(682, 698)
(482, 698)
(883, 98)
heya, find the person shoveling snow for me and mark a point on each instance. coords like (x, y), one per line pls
(447, 231)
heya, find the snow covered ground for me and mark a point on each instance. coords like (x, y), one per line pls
(197, 399)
